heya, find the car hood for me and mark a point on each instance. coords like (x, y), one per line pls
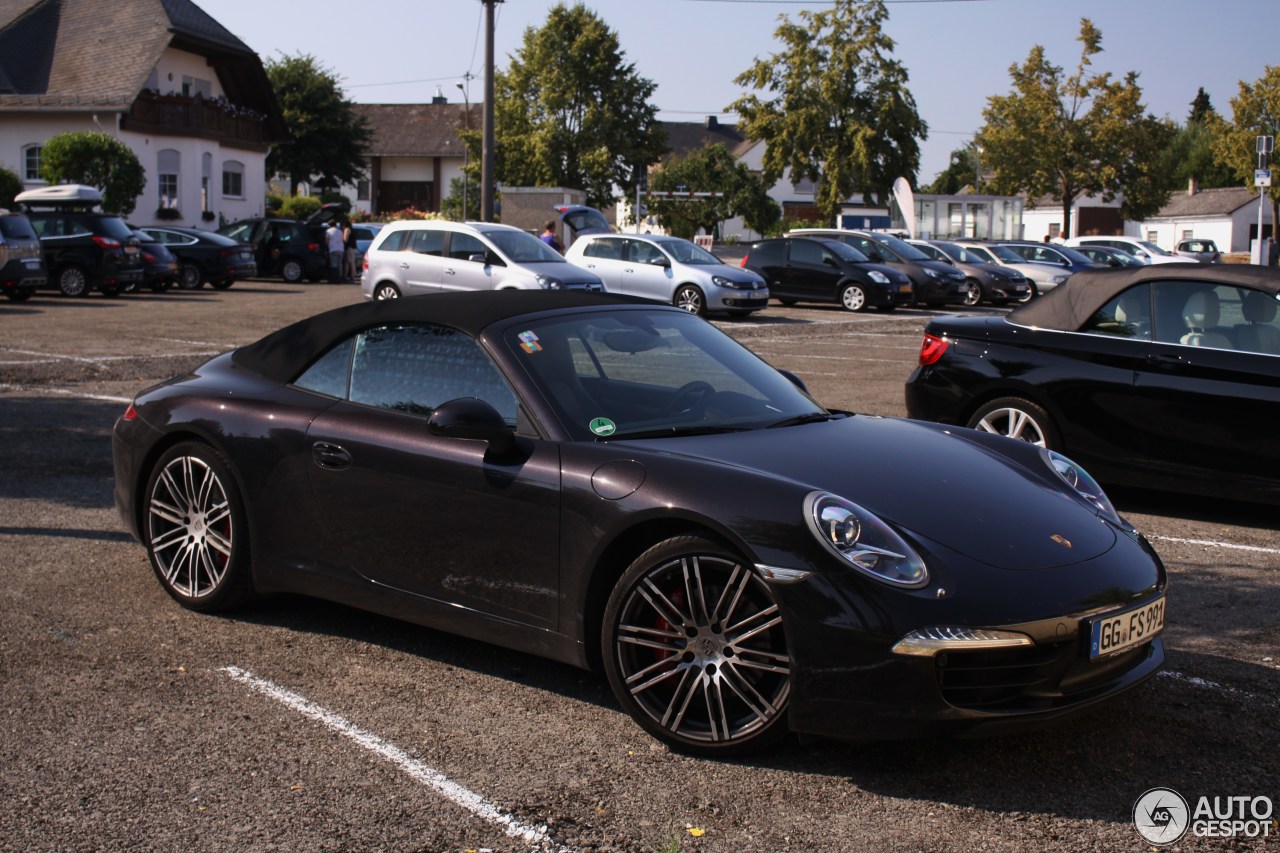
(562, 270)
(951, 486)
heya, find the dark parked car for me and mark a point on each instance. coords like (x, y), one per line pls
(364, 232)
(206, 256)
(22, 268)
(1162, 376)
(801, 269)
(84, 249)
(293, 249)
(935, 283)
(619, 485)
(990, 282)
(160, 268)
(1054, 255)
(1108, 256)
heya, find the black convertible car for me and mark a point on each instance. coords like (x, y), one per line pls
(620, 485)
(1162, 377)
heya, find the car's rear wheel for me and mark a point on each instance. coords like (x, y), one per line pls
(1032, 291)
(695, 650)
(1018, 418)
(194, 529)
(223, 284)
(853, 298)
(689, 298)
(972, 293)
(19, 295)
(191, 277)
(291, 270)
(786, 300)
(72, 281)
(386, 291)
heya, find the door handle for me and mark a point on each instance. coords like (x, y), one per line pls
(1165, 360)
(404, 266)
(450, 270)
(331, 457)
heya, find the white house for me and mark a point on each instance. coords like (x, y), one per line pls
(1228, 216)
(191, 100)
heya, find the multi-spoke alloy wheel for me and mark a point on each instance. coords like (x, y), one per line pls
(1017, 418)
(695, 649)
(194, 529)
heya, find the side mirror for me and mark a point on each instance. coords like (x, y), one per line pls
(794, 380)
(661, 262)
(472, 418)
(478, 258)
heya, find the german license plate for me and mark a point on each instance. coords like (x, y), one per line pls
(131, 250)
(1112, 634)
(904, 288)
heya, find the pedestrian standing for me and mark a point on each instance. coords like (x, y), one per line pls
(549, 236)
(333, 241)
(349, 252)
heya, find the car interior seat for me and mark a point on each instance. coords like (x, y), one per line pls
(1200, 314)
(1133, 313)
(554, 363)
(1259, 332)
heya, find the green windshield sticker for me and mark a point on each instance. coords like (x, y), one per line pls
(602, 426)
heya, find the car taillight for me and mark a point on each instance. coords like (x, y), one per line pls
(932, 348)
(313, 247)
(107, 242)
(365, 264)
(227, 253)
(148, 257)
(130, 414)
(743, 263)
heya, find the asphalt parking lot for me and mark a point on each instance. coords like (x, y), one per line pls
(129, 723)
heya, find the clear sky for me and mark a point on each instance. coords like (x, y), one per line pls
(957, 52)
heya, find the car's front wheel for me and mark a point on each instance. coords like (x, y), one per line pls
(191, 277)
(853, 298)
(291, 270)
(1017, 418)
(20, 295)
(695, 650)
(972, 293)
(689, 298)
(194, 529)
(72, 281)
(223, 284)
(386, 291)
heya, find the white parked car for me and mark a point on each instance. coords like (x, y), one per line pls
(1143, 250)
(433, 256)
(670, 270)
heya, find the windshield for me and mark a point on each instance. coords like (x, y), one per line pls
(646, 374)
(587, 217)
(1074, 256)
(901, 248)
(846, 252)
(1006, 254)
(688, 253)
(521, 248)
(1154, 249)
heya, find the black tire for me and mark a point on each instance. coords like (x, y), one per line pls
(111, 291)
(853, 297)
(386, 290)
(973, 293)
(689, 298)
(191, 277)
(885, 309)
(739, 313)
(719, 682)
(194, 529)
(786, 300)
(1032, 291)
(1016, 417)
(73, 281)
(291, 270)
(19, 295)
(224, 284)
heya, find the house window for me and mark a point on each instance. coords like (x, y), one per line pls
(362, 189)
(196, 86)
(31, 162)
(168, 168)
(233, 179)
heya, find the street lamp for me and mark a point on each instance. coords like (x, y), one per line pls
(466, 151)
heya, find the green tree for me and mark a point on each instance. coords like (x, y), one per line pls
(961, 172)
(98, 160)
(838, 110)
(570, 110)
(329, 138)
(1255, 112)
(1191, 156)
(711, 169)
(452, 208)
(1086, 134)
(10, 186)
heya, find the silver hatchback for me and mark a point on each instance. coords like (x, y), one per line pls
(670, 270)
(434, 256)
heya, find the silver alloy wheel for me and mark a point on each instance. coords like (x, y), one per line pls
(386, 291)
(191, 528)
(973, 293)
(73, 282)
(853, 298)
(191, 277)
(1012, 422)
(291, 271)
(689, 298)
(699, 645)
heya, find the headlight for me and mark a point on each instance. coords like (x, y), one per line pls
(721, 281)
(931, 273)
(864, 541)
(878, 277)
(1058, 279)
(547, 282)
(1083, 485)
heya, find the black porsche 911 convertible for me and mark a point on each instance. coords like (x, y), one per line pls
(619, 485)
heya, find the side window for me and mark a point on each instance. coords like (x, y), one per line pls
(463, 246)
(414, 368)
(394, 241)
(769, 252)
(47, 226)
(643, 253)
(1197, 314)
(806, 252)
(73, 227)
(427, 242)
(242, 233)
(1258, 330)
(1126, 316)
(331, 373)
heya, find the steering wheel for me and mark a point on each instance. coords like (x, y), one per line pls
(683, 402)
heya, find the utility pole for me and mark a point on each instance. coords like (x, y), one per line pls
(486, 157)
(466, 151)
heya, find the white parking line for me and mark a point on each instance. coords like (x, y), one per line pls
(433, 779)
(1235, 692)
(1211, 543)
(63, 392)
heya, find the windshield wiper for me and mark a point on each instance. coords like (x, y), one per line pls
(808, 418)
(668, 432)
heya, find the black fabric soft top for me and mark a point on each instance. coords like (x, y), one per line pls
(1069, 305)
(285, 353)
